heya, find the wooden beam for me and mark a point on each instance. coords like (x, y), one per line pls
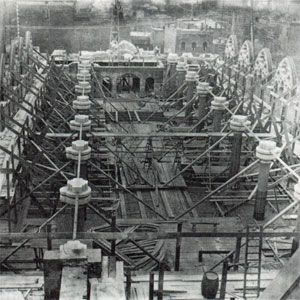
(162, 135)
(139, 235)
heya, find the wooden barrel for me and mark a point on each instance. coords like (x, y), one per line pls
(210, 285)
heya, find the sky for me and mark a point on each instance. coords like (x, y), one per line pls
(277, 3)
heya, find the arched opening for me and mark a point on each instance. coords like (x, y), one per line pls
(205, 45)
(107, 84)
(194, 45)
(128, 83)
(183, 46)
(149, 85)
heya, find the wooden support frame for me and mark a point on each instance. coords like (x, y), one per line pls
(178, 247)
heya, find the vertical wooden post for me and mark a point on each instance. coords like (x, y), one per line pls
(222, 74)
(262, 191)
(191, 79)
(3, 21)
(264, 151)
(12, 107)
(244, 82)
(23, 133)
(202, 103)
(262, 92)
(218, 107)
(27, 122)
(128, 284)
(15, 208)
(82, 208)
(180, 68)
(218, 116)
(113, 242)
(8, 108)
(15, 204)
(151, 286)
(8, 196)
(160, 292)
(296, 239)
(2, 118)
(12, 158)
(235, 154)
(178, 246)
(172, 79)
(229, 72)
(237, 253)
(224, 280)
(49, 242)
(19, 147)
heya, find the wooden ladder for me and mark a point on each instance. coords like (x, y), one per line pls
(252, 266)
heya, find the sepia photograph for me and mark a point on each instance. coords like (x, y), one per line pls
(149, 149)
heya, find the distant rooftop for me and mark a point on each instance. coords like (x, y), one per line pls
(140, 34)
(198, 23)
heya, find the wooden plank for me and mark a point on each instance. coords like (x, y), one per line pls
(149, 175)
(284, 283)
(156, 199)
(20, 281)
(165, 200)
(23, 214)
(158, 147)
(190, 203)
(3, 226)
(104, 273)
(123, 205)
(141, 206)
(122, 197)
(162, 174)
(165, 172)
(171, 172)
(289, 217)
(161, 187)
(43, 243)
(185, 205)
(109, 288)
(137, 116)
(129, 176)
(213, 169)
(73, 283)
(11, 295)
(236, 223)
(178, 200)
